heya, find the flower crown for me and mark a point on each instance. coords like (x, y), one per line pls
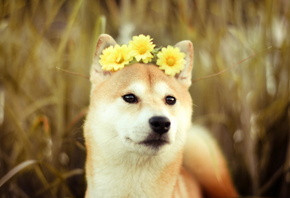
(142, 50)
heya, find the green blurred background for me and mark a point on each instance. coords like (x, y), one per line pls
(42, 108)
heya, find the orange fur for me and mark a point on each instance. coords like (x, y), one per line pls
(187, 186)
(203, 158)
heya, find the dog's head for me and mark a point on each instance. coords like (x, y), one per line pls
(139, 108)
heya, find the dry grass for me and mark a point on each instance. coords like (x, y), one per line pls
(247, 107)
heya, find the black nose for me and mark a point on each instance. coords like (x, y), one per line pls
(159, 124)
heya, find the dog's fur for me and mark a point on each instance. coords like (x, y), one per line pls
(126, 158)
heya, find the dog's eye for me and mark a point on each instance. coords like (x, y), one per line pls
(130, 98)
(170, 100)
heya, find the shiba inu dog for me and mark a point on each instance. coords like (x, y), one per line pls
(139, 138)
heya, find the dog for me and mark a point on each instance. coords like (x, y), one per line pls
(139, 138)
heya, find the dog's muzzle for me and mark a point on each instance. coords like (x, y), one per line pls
(160, 125)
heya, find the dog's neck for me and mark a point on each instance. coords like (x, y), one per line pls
(131, 175)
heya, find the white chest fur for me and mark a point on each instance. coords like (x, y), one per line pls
(130, 177)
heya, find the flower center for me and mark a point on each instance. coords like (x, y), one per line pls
(119, 59)
(142, 49)
(170, 61)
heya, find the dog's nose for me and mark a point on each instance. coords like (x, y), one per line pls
(159, 124)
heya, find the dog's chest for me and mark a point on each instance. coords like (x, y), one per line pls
(139, 180)
(124, 183)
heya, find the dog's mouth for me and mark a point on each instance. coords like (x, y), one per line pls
(155, 141)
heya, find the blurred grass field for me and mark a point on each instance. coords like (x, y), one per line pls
(42, 108)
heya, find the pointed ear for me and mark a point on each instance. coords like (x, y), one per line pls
(184, 77)
(97, 74)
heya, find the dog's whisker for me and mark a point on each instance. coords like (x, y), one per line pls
(109, 141)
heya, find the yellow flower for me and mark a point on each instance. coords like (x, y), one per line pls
(115, 58)
(171, 60)
(141, 47)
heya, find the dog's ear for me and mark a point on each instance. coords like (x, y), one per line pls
(184, 77)
(97, 74)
